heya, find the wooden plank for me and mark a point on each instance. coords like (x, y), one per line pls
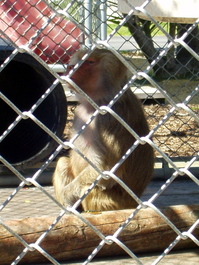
(72, 239)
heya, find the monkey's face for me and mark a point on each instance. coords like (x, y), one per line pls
(100, 76)
(87, 76)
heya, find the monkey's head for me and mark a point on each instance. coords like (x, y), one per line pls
(101, 75)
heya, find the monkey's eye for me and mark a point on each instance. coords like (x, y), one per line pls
(90, 62)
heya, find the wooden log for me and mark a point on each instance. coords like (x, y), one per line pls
(73, 239)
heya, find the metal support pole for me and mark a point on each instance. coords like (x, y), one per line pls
(88, 21)
(103, 26)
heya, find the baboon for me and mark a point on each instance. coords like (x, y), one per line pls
(105, 140)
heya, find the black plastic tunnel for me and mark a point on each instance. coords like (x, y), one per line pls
(23, 81)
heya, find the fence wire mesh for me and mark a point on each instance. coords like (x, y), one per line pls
(37, 38)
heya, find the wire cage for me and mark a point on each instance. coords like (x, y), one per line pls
(159, 45)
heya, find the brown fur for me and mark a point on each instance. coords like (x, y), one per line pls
(105, 140)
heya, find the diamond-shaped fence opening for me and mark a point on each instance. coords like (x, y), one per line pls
(159, 46)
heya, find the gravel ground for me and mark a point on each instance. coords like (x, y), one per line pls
(178, 136)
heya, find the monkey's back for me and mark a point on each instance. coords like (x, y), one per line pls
(115, 141)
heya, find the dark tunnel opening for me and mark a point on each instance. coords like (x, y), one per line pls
(23, 81)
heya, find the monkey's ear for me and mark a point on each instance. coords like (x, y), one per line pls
(70, 67)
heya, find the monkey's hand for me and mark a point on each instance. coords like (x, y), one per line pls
(78, 187)
(70, 195)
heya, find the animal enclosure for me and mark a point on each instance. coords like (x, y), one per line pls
(160, 50)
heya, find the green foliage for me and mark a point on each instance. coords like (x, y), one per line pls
(123, 31)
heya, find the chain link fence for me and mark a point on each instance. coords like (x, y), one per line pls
(160, 46)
